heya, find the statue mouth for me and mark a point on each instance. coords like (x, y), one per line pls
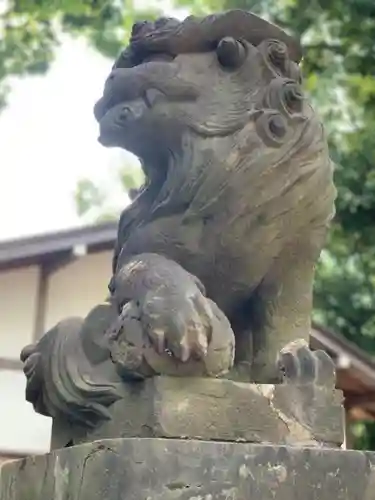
(129, 97)
(120, 122)
(131, 108)
(133, 126)
(138, 103)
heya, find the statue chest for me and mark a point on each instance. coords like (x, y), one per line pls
(229, 265)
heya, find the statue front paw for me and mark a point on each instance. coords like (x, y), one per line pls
(138, 352)
(178, 322)
(183, 332)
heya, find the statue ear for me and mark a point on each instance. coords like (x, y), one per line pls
(231, 53)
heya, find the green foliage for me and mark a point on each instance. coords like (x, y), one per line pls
(93, 201)
(87, 195)
(364, 435)
(131, 177)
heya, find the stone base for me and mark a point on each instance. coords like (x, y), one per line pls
(166, 469)
(217, 410)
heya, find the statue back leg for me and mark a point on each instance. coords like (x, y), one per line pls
(280, 310)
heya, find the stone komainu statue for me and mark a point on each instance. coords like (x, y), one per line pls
(214, 260)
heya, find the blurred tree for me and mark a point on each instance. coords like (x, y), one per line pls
(94, 203)
(30, 31)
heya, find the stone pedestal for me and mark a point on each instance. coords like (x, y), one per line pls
(166, 469)
(219, 410)
(201, 439)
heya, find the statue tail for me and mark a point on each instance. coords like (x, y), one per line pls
(69, 387)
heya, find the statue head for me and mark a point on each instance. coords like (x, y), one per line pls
(215, 95)
(208, 77)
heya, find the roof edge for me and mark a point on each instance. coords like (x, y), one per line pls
(16, 249)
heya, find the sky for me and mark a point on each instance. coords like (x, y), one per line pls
(48, 141)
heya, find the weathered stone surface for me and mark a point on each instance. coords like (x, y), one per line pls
(319, 410)
(218, 409)
(158, 469)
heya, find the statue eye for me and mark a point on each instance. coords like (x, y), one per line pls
(231, 53)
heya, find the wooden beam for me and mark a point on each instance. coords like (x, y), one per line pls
(352, 400)
(10, 364)
(34, 249)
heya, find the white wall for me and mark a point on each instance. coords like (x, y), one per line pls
(74, 289)
(21, 429)
(18, 293)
